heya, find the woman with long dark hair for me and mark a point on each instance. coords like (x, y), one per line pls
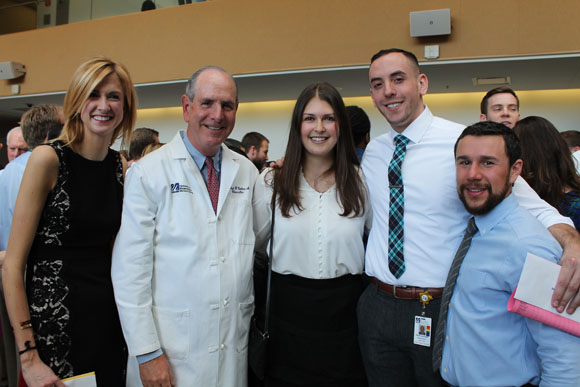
(318, 254)
(66, 217)
(548, 166)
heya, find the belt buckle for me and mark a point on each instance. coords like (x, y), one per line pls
(395, 290)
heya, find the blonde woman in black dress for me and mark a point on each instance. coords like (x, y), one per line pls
(66, 217)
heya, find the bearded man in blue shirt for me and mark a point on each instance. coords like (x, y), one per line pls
(484, 344)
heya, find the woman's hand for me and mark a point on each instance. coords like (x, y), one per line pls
(38, 374)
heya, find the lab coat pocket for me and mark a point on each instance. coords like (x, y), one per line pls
(173, 329)
(246, 311)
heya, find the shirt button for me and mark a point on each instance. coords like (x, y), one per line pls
(445, 370)
(447, 338)
(222, 346)
(223, 259)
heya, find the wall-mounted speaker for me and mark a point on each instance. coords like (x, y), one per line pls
(430, 23)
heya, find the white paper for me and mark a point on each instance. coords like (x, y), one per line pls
(537, 283)
(85, 380)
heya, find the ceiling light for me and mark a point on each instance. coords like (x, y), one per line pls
(492, 81)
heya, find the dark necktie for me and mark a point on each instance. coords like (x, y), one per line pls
(448, 292)
(397, 208)
(213, 184)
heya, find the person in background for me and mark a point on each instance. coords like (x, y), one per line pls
(572, 138)
(150, 148)
(361, 129)
(321, 213)
(236, 146)
(39, 124)
(140, 138)
(549, 167)
(501, 105)
(67, 214)
(256, 146)
(15, 144)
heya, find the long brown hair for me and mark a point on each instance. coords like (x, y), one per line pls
(85, 79)
(350, 188)
(548, 165)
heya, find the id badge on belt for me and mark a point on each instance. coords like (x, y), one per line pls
(422, 329)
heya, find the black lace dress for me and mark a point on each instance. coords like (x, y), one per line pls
(68, 278)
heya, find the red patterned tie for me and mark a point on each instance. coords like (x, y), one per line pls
(213, 184)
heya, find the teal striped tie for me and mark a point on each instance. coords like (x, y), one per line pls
(397, 208)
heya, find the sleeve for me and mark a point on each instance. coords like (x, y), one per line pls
(529, 199)
(132, 264)
(262, 211)
(10, 184)
(368, 207)
(558, 352)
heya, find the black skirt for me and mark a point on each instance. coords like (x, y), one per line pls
(314, 333)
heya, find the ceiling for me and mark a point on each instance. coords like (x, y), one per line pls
(545, 72)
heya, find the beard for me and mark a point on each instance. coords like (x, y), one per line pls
(490, 203)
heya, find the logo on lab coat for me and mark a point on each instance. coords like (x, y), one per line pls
(177, 187)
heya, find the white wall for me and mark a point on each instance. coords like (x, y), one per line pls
(272, 119)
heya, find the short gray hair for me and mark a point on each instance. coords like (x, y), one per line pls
(192, 81)
(15, 129)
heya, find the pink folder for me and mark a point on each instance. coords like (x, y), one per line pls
(543, 316)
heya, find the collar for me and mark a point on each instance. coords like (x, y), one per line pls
(487, 222)
(417, 128)
(198, 157)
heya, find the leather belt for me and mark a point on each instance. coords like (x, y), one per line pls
(406, 292)
(451, 385)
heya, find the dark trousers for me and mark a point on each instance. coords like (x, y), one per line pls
(386, 329)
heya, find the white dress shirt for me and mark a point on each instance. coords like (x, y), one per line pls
(315, 243)
(434, 217)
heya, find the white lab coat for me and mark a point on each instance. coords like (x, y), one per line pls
(182, 275)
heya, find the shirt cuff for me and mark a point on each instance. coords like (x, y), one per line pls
(149, 356)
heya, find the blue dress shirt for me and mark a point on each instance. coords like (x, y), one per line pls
(10, 181)
(199, 158)
(485, 344)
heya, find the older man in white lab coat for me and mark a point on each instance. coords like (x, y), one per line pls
(183, 257)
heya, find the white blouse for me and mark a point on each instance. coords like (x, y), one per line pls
(316, 242)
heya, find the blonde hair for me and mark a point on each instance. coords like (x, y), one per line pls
(150, 148)
(85, 79)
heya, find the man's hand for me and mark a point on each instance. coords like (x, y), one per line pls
(156, 373)
(569, 278)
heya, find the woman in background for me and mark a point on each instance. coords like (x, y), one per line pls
(321, 211)
(67, 215)
(548, 166)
